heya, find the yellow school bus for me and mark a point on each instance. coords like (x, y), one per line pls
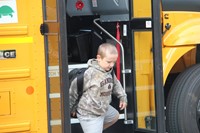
(158, 42)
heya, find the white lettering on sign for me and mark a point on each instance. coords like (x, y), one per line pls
(1, 54)
(8, 12)
(7, 54)
(53, 71)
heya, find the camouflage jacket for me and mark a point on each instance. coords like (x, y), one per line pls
(98, 87)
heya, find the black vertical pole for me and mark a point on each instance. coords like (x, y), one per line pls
(158, 71)
(63, 64)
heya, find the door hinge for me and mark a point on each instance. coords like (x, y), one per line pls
(44, 28)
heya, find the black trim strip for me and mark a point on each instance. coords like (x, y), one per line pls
(198, 54)
(141, 24)
(63, 64)
(181, 5)
(158, 71)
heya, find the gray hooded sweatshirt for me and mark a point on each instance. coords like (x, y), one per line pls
(98, 86)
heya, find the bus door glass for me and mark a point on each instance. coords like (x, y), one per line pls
(144, 90)
(51, 31)
(144, 81)
(148, 116)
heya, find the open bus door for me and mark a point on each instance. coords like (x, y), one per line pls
(141, 55)
(145, 112)
(24, 99)
(54, 31)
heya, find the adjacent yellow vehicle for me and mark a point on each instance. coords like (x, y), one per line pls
(41, 40)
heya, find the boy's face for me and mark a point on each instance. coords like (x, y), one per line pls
(108, 61)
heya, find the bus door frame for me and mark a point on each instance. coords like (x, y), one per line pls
(63, 63)
(157, 67)
(64, 93)
(157, 57)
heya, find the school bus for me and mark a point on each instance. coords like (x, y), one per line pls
(158, 66)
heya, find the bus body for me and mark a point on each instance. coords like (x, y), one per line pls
(40, 41)
(23, 94)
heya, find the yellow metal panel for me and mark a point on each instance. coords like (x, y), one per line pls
(170, 57)
(184, 28)
(21, 65)
(15, 40)
(14, 73)
(144, 80)
(141, 8)
(14, 30)
(4, 103)
(15, 127)
(24, 76)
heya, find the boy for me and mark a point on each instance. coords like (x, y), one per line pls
(94, 110)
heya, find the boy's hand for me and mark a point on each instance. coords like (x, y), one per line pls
(122, 105)
(73, 114)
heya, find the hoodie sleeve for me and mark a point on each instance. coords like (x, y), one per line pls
(73, 95)
(118, 90)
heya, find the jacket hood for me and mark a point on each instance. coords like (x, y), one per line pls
(94, 63)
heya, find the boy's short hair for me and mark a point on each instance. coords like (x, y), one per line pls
(106, 47)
